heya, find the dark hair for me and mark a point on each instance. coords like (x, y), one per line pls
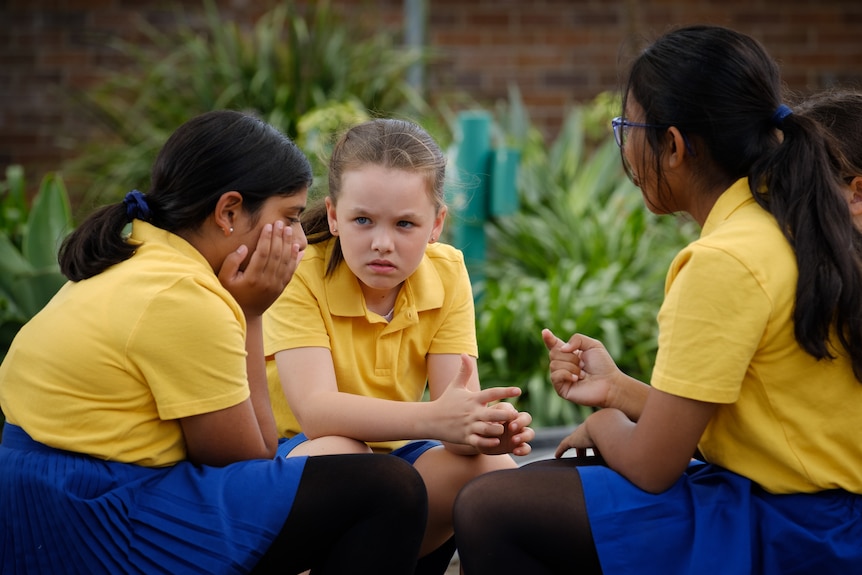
(209, 155)
(390, 143)
(722, 90)
(840, 113)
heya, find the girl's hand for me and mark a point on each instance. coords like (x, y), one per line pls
(269, 269)
(464, 416)
(581, 369)
(516, 432)
(579, 440)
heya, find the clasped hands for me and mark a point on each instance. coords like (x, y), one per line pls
(480, 419)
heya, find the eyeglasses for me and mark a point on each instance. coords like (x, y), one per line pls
(621, 127)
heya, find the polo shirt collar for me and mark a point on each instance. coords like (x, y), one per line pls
(144, 232)
(732, 199)
(422, 291)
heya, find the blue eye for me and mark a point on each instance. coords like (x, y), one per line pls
(362, 220)
(405, 224)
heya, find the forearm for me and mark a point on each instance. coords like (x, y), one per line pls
(259, 391)
(614, 435)
(628, 395)
(365, 418)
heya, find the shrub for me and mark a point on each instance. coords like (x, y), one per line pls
(287, 66)
(584, 255)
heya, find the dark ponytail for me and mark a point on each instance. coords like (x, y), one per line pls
(803, 191)
(96, 244)
(209, 155)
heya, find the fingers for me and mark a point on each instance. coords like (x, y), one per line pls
(496, 394)
(551, 341)
(230, 266)
(562, 448)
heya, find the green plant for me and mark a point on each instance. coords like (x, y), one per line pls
(29, 240)
(583, 254)
(288, 65)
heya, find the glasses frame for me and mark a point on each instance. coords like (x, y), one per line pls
(620, 124)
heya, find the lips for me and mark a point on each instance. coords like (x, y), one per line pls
(381, 266)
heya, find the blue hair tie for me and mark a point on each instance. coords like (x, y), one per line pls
(136, 205)
(780, 113)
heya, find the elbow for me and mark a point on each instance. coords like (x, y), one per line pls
(655, 485)
(653, 479)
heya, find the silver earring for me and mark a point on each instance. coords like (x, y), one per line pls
(231, 230)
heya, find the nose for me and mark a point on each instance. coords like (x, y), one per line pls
(381, 242)
(299, 237)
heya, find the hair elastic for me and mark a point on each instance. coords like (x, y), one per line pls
(780, 113)
(136, 205)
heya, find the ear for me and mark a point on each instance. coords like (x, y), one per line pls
(854, 196)
(439, 220)
(331, 216)
(227, 210)
(676, 151)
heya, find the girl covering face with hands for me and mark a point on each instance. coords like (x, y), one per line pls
(139, 434)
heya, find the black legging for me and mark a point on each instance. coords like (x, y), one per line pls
(528, 520)
(352, 514)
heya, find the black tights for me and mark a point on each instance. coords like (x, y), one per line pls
(528, 520)
(356, 514)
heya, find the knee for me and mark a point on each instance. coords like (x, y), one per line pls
(330, 445)
(473, 503)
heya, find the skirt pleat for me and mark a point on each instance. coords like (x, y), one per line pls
(715, 522)
(62, 512)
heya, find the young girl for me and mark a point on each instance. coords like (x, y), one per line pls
(139, 435)
(378, 308)
(759, 366)
(840, 113)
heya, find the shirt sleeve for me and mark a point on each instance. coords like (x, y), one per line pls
(295, 319)
(189, 347)
(713, 318)
(457, 332)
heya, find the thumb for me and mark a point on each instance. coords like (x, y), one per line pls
(551, 341)
(230, 265)
(465, 372)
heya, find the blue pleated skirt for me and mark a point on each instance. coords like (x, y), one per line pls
(64, 513)
(715, 522)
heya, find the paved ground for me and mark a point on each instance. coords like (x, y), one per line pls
(544, 446)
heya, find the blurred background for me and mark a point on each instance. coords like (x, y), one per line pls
(90, 89)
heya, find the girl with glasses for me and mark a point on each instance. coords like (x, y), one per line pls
(742, 455)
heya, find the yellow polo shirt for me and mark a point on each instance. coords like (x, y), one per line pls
(434, 314)
(786, 421)
(111, 363)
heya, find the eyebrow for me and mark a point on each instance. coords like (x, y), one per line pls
(362, 210)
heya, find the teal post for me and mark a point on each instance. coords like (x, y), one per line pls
(482, 184)
(504, 175)
(468, 188)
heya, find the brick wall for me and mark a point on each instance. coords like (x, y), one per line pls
(558, 52)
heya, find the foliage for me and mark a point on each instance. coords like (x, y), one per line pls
(287, 66)
(29, 241)
(583, 254)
